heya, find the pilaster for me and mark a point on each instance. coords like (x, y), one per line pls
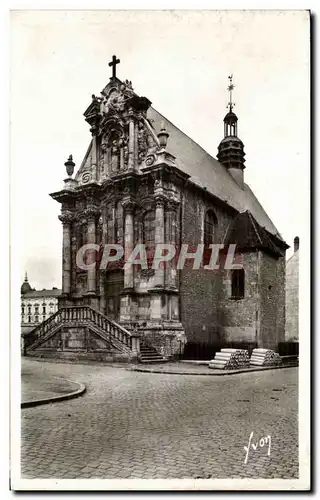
(94, 169)
(131, 145)
(66, 218)
(126, 305)
(91, 214)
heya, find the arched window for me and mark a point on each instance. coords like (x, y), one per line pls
(210, 222)
(148, 231)
(237, 284)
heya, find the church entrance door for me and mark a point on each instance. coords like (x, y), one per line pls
(114, 287)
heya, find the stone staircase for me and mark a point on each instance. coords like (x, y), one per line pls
(119, 344)
(149, 354)
(98, 336)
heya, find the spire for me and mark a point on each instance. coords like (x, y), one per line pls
(230, 88)
(231, 119)
(230, 149)
(25, 287)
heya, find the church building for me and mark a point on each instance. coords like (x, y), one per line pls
(143, 181)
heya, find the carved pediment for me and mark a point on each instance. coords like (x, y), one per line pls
(123, 136)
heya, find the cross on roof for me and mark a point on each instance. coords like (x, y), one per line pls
(230, 89)
(113, 63)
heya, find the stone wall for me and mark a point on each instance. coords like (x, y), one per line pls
(268, 302)
(208, 312)
(201, 290)
(272, 301)
(240, 318)
(169, 342)
(292, 298)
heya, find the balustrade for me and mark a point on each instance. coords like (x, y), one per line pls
(86, 314)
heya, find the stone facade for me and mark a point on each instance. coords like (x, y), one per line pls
(292, 297)
(210, 314)
(36, 305)
(137, 185)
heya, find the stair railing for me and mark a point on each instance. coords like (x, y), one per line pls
(85, 314)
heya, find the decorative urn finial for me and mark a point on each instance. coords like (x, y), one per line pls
(163, 136)
(69, 164)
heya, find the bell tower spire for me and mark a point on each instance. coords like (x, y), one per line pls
(230, 89)
(231, 150)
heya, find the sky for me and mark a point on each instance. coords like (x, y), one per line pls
(180, 60)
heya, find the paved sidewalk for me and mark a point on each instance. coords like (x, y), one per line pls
(193, 368)
(137, 425)
(38, 386)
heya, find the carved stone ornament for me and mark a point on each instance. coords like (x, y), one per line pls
(90, 213)
(128, 205)
(147, 273)
(150, 160)
(125, 156)
(86, 177)
(142, 142)
(66, 217)
(160, 201)
(172, 205)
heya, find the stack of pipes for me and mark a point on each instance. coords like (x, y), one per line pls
(265, 357)
(230, 359)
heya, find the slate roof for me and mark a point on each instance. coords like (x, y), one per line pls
(245, 231)
(42, 293)
(207, 172)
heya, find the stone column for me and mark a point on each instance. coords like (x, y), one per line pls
(128, 208)
(66, 219)
(91, 215)
(104, 152)
(136, 148)
(121, 155)
(159, 238)
(94, 168)
(158, 300)
(131, 145)
(170, 231)
(127, 300)
(102, 292)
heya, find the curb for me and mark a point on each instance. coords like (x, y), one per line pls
(54, 399)
(219, 373)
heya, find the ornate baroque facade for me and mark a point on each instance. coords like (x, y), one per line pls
(143, 181)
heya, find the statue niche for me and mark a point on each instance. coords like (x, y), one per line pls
(114, 144)
(113, 149)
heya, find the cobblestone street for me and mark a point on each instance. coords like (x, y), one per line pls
(147, 425)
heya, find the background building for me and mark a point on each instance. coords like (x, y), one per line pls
(292, 294)
(36, 305)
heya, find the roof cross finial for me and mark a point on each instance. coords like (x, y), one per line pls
(26, 277)
(230, 88)
(113, 63)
